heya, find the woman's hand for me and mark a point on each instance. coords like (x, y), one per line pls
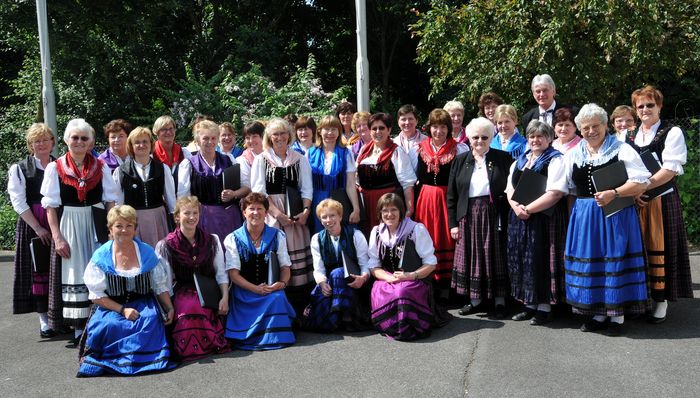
(454, 232)
(604, 197)
(43, 234)
(300, 219)
(62, 247)
(284, 220)
(223, 306)
(641, 200)
(521, 213)
(261, 289)
(326, 289)
(359, 281)
(227, 195)
(404, 276)
(274, 287)
(354, 216)
(132, 314)
(170, 316)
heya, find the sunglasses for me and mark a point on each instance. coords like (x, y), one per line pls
(479, 137)
(649, 105)
(76, 138)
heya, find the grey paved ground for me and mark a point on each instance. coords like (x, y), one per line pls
(474, 357)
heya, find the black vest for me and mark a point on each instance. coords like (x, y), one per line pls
(441, 179)
(69, 195)
(256, 269)
(33, 178)
(118, 287)
(582, 177)
(277, 179)
(142, 194)
(372, 177)
(208, 188)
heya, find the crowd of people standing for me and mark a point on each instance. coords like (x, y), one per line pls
(337, 225)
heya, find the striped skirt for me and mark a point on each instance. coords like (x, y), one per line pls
(480, 266)
(431, 211)
(604, 261)
(678, 282)
(197, 332)
(401, 310)
(117, 345)
(30, 293)
(153, 225)
(327, 314)
(652, 225)
(536, 256)
(258, 322)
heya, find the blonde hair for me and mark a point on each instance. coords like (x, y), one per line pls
(122, 212)
(162, 122)
(36, 131)
(330, 121)
(507, 111)
(204, 125)
(329, 204)
(359, 117)
(453, 106)
(134, 135)
(182, 202)
(277, 124)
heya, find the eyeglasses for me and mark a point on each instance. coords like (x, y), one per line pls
(649, 105)
(479, 137)
(76, 138)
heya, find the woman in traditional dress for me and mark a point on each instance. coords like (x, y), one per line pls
(383, 167)
(334, 301)
(31, 283)
(116, 132)
(360, 126)
(146, 185)
(333, 167)
(76, 182)
(624, 123)
(456, 111)
(305, 128)
(252, 138)
(198, 332)
(125, 334)
(508, 138)
(278, 172)
(401, 302)
(565, 129)
(661, 218)
(227, 140)
(476, 212)
(536, 240)
(202, 176)
(261, 316)
(435, 157)
(166, 149)
(599, 245)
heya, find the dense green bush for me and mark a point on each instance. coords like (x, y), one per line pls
(689, 184)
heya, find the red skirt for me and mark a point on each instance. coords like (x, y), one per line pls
(370, 197)
(431, 211)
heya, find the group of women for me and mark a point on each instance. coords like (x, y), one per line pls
(336, 226)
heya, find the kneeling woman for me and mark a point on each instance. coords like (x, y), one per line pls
(125, 333)
(198, 331)
(400, 297)
(338, 250)
(260, 317)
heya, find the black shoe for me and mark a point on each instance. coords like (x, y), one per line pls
(500, 311)
(594, 326)
(541, 317)
(523, 316)
(47, 334)
(655, 321)
(614, 329)
(73, 343)
(468, 309)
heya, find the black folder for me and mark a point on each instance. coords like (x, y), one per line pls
(232, 177)
(99, 217)
(295, 204)
(410, 260)
(273, 270)
(208, 291)
(351, 267)
(653, 166)
(611, 177)
(341, 196)
(530, 187)
(41, 255)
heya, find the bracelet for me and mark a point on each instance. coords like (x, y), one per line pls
(415, 275)
(617, 194)
(121, 311)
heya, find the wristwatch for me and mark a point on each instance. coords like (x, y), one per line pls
(617, 194)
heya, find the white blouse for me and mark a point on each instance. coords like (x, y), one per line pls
(17, 187)
(51, 188)
(360, 248)
(424, 246)
(410, 146)
(143, 172)
(184, 173)
(675, 153)
(233, 258)
(219, 266)
(96, 280)
(402, 167)
(556, 177)
(257, 174)
(479, 184)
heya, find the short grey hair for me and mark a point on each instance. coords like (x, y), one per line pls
(482, 125)
(537, 127)
(590, 111)
(80, 125)
(453, 106)
(543, 79)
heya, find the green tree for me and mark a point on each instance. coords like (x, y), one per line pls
(596, 50)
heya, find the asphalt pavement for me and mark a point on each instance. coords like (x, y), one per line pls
(472, 356)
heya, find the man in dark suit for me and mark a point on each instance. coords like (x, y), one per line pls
(543, 90)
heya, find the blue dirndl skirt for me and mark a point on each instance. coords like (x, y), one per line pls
(115, 344)
(604, 261)
(325, 313)
(258, 322)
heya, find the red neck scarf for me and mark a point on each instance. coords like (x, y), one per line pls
(249, 155)
(160, 154)
(433, 159)
(384, 157)
(83, 180)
